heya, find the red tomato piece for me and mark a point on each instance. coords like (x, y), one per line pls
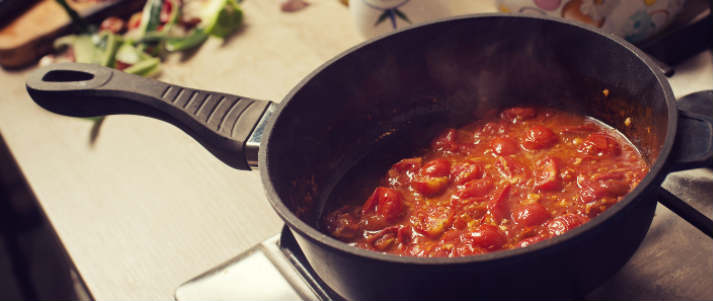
(387, 202)
(539, 137)
(504, 146)
(530, 215)
(432, 221)
(600, 145)
(466, 171)
(113, 25)
(498, 206)
(403, 171)
(383, 239)
(429, 186)
(603, 188)
(446, 141)
(516, 114)
(166, 10)
(563, 223)
(475, 188)
(509, 167)
(436, 168)
(343, 223)
(485, 236)
(409, 164)
(548, 175)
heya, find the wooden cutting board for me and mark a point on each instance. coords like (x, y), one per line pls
(31, 34)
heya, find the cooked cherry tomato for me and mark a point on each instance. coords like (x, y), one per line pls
(548, 175)
(475, 188)
(509, 167)
(531, 215)
(498, 206)
(432, 221)
(432, 178)
(466, 171)
(429, 186)
(485, 236)
(504, 146)
(539, 137)
(436, 168)
(387, 202)
(343, 223)
(563, 223)
(603, 188)
(600, 145)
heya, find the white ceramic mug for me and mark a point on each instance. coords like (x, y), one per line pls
(376, 17)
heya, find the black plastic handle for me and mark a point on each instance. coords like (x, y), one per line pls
(222, 123)
(693, 148)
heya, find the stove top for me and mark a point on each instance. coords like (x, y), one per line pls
(674, 262)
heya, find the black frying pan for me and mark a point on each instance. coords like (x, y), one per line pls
(375, 102)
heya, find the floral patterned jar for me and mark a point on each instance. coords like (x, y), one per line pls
(635, 20)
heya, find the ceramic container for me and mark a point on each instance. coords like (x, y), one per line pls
(376, 17)
(635, 20)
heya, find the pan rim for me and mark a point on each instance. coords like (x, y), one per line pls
(653, 178)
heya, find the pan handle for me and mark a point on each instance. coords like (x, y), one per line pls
(693, 148)
(222, 123)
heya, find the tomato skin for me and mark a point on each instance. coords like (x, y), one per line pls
(563, 223)
(530, 215)
(498, 206)
(387, 202)
(409, 164)
(539, 137)
(436, 168)
(389, 238)
(516, 114)
(475, 188)
(343, 223)
(429, 186)
(466, 171)
(432, 221)
(504, 146)
(548, 176)
(509, 167)
(605, 187)
(432, 178)
(485, 236)
(600, 145)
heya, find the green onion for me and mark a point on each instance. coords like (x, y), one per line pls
(195, 38)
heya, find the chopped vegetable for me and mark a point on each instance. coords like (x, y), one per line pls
(221, 17)
(195, 38)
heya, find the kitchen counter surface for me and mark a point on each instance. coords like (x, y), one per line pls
(145, 208)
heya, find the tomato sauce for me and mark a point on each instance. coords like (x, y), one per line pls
(506, 182)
